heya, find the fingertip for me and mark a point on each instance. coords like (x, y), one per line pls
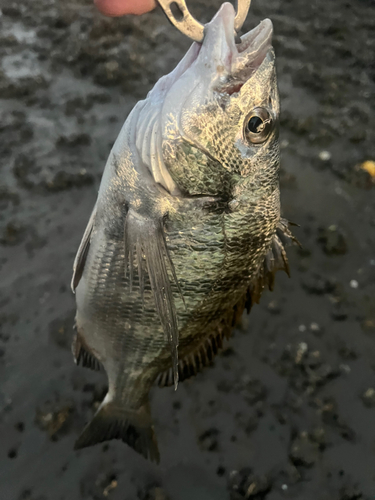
(115, 8)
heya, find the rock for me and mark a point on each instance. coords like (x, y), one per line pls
(318, 285)
(54, 419)
(368, 325)
(368, 398)
(74, 140)
(209, 440)
(64, 180)
(332, 240)
(350, 493)
(274, 307)
(339, 311)
(245, 484)
(304, 451)
(153, 493)
(13, 234)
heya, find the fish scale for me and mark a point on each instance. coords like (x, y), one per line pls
(186, 231)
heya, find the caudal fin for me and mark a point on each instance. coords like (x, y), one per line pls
(134, 427)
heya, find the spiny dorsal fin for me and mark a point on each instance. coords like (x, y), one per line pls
(145, 237)
(202, 355)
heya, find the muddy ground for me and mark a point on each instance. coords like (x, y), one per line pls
(288, 410)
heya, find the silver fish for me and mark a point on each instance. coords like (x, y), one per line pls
(186, 231)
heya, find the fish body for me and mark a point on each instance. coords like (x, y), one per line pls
(186, 230)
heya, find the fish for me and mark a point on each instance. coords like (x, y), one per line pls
(186, 231)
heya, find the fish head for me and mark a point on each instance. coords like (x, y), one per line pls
(220, 113)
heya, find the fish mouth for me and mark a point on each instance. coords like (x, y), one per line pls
(235, 63)
(223, 65)
(254, 46)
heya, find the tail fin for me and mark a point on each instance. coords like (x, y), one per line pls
(134, 427)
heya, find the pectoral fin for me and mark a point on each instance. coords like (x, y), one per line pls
(83, 250)
(145, 245)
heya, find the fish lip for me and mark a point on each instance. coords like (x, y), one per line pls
(234, 64)
(252, 50)
(259, 35)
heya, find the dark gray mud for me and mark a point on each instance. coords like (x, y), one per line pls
(288, 410)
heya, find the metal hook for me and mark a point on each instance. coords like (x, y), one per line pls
(189, 26)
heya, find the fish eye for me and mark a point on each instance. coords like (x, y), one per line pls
(258, 125)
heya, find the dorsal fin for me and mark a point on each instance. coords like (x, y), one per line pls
(203, 354)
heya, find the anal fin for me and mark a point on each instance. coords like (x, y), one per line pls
(83, 356)
(113, 421)
(198, 359)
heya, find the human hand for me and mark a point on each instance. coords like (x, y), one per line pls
(116, 8)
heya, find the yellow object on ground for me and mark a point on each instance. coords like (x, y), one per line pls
(369, 166)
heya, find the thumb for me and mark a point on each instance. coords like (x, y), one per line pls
(122, 7)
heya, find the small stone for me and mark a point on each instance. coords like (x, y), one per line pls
(339, 311)
(274, 307)
(368, 325)
(245, 484)
(209, 439)
(368, 398)
(301, 351)
(318, 435)
(302, 328)
(111, 486)
(284, 487)
(332, 240)
(318, 285)
(350, 493)
(304, 451)
(325, 155)
(314, 327)
(345, 368)
(354, 284)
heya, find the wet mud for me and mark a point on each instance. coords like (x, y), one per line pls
(288, 409)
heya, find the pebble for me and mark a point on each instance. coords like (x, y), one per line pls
(368, 397)
(314, 327)
(332, 240)
(345, 368)
(324, 155)
(304, 451)
(301, 351)
(354, 284)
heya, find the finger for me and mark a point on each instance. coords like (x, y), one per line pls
(121, 7)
